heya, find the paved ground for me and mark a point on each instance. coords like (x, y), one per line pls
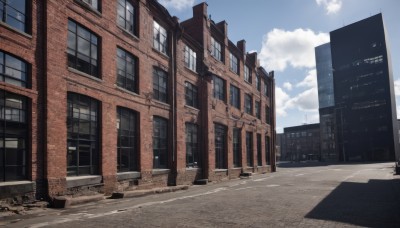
(305, 195)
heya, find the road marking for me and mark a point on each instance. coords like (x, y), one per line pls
(80, 216)
(243, 188)
(300, 174)
(273, 185)
(262, 179)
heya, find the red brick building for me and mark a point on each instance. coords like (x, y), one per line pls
(105, 96)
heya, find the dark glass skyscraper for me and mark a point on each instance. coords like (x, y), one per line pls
(326, 102)
(364, 101)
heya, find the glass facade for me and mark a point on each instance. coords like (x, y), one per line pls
(324, 75)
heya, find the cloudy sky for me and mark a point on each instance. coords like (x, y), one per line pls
(284, 34)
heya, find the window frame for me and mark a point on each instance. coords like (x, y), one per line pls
(191, 95)
(26, 24)
(190, 58)
(249, 149)
(237, 147)
(192, 139)
(258, 82)
(220, 146)
(234, 100)
(15, 131)
(216, 49)
(130, 134)
(248, 104)
(73, 59)
(266, 90)
(160, 123)
(122, 19)
(247, 74)
(257, 107)
(158, 76)
(89, 114)
(123, 77)
(8, 78)
(217, 93)
(233, 63)
(161, 45)
(259, 150)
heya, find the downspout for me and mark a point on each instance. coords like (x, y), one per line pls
(44, 100)
(174, 108)
(273, 138)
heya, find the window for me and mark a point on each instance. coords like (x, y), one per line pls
(258, 82)
(266, 89)
(237, 150)
(220, 146)
(191, 95)
(93, 3)
(160, 85)
(247, 74)
(216, 49)
(126, 70)
(233, 63)
(259, 155)
(267, 115)
(248, 104)
(126, 17)
(83, 137)
(219, 88)
(160, 38)
(235, 97)
(13, 70)
(267, 150)
(249, 149)
(192, 151)
(127, 148)
(258, 109)
(82, 49)
(14, 13)
(160, 143)
(13, 136)
(190, 58)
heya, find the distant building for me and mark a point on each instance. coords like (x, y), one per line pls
(301, 143)
(363, 103)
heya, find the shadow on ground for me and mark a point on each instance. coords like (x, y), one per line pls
(372, 204)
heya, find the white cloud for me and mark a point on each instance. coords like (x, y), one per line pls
(177, 4)
(310, 80)
(281, 48)
(397, 87)
(288, 86)
(331, 6)
(306, 101)
(281, 99)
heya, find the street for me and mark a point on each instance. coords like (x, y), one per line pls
(306, 195)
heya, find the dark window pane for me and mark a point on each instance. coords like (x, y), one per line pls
(82, 49)
(82, 151)
(13, 137)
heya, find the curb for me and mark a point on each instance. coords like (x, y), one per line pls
(65, 201)
(139, 193)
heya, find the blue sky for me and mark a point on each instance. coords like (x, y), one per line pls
(284, 34)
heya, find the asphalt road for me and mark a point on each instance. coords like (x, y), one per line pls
(306, 195)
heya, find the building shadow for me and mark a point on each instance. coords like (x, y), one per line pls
(303, 164)
(372, 204)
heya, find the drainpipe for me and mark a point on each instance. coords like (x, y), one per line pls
(174, 102)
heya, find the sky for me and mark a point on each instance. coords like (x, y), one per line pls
(284, 33)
